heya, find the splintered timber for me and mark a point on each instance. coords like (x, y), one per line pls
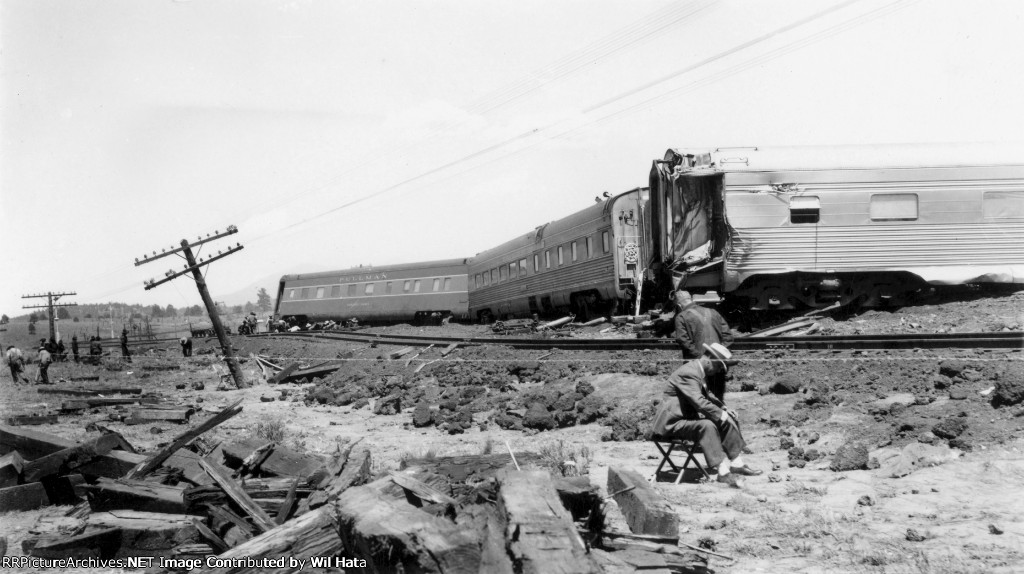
(181, 563)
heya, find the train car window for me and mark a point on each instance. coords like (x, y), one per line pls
(513, 270)
(494, 276)
(590, 247)
(352, 290)
(416, 286)
(487, 278)
(305, 293)
(369, 289)
(605, 242)
(1002, 204)
(335, 291)
(291, 293)
(476, 281)
(547, 259)
(522, 267)
(893, 207)
(387, 288)
(561, 259)
(319, 292)
(574, 251)
(436, 286)
(804, 209)
(447, 283)
(536, 263)
(503, 273)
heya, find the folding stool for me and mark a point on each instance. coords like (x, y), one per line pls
(690, 447)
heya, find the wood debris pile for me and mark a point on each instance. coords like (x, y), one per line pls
(251, 500)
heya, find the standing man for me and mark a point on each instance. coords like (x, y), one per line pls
(16, 361)
(124, 345)
(45, 358)
(186, 346)
(690, 411)
(74, 346)
(95, 350)
(696, 327)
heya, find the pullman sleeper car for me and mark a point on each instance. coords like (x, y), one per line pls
(794, 228)
(386, 294)
(589, 263)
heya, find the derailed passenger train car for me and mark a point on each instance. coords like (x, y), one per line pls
(589, 263)
(791, 228)
(408, 292)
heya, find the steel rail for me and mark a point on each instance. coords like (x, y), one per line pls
(999, 340)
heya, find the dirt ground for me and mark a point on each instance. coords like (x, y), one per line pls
(964, 514)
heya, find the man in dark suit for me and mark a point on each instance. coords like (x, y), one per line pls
(690, 411)
(697, 326)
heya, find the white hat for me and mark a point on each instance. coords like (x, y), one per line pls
(718, 352)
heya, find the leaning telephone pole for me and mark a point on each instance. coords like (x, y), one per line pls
(194, 266)
(50, 298)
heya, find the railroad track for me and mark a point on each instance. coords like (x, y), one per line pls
(1000, 340)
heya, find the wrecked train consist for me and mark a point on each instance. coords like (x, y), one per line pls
(789, 228)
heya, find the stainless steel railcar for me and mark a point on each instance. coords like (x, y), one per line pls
(588, 263)
(792, 228)
(390, 293)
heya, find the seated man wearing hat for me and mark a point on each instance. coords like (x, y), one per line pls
(690, 411)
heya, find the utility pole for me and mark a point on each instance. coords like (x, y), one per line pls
(50, 298)
(194, 266)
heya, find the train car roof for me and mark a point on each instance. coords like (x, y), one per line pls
(882, 156)
(553, 228)
(378, 269)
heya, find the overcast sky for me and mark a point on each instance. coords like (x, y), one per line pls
(128, 125)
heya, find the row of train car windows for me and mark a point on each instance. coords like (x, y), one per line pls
(352, 289)
(903, 206)
(516, 269)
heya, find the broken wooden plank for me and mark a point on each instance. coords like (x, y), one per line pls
(28, 420)
(790, 326)
(393, 355)
(313, 534)
(90, 392)
(69, 459)
(92, 402)
(102, 543)
(540, 531)
(65, 490)
(420, 489)
(354, 470)
(198, 498)
(215, 541)
(143, 416)
(33, 444)
(312, 372)
(254, 460)
(281, 461)
(23, 497)
(645, 510)
(449, 349)
(238, 494)
(284, 373)
(418, 353)
(288, 506)
(184, 438)
(109, 494)
(224, 514)
(369, 521)
(146, 533)
(11, 465)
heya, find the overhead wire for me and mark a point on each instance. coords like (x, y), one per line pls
(522, 136)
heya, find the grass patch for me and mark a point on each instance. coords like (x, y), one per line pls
(270, 430)
(565, 459)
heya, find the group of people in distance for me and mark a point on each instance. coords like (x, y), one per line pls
(54, 351)
(694, 403)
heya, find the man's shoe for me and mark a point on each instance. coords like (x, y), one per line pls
(746, 471)
(731, 479)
